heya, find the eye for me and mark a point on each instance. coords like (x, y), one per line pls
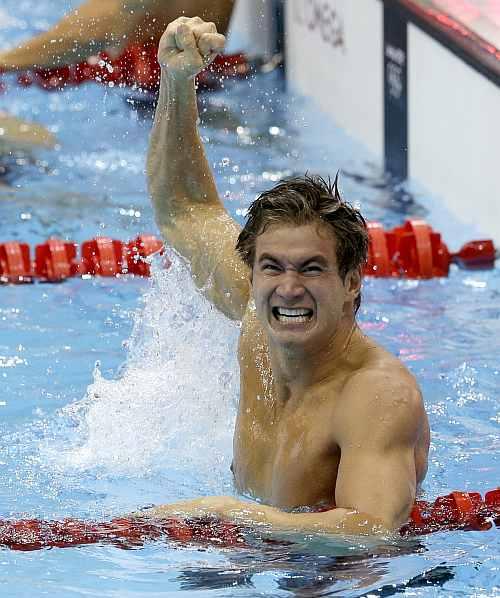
(270, 267)
(312, 269)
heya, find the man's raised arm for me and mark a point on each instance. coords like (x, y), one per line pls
(188, 210)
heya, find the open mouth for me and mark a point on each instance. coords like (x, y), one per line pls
(288, 315)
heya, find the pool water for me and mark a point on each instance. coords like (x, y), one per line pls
(122, 393)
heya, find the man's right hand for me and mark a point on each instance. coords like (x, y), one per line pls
(188, 46)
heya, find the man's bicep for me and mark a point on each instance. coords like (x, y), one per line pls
(379, 483)
(206, 238)
(378, 434)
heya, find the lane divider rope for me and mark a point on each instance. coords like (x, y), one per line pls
(412, 250)
(56, 260)
(415, 250)
(137, 67)
(455, 511)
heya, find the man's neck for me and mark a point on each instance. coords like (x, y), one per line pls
(298, 369)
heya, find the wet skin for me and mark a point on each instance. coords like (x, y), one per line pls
(326, 416)
(110, 25)
(287, 444)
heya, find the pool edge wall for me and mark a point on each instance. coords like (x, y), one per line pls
(422, 102)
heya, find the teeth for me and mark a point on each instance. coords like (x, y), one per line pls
(293, 319)
(286, 315)
(283, 311)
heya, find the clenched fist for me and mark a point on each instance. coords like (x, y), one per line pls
(188, 46)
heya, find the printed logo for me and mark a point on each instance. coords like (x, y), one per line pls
(394, 70)
(395, 54)
(320, 16)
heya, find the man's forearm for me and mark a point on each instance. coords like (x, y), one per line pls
(178, 171)
(18, 135)
(188, 211)
(335, 521)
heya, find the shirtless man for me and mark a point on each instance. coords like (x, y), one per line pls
(327, 418)
(108, 25)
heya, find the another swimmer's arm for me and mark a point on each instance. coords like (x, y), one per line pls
(94, 26)
(21, 135)
(188, 209)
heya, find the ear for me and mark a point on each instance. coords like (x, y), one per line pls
(352, 283)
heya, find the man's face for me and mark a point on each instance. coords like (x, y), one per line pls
(299, 295)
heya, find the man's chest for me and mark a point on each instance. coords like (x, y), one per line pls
(286, 459)
(285, 456)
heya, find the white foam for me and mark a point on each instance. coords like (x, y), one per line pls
(173, 406)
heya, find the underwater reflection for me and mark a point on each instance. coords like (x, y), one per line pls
(437, 576)
(385, 570)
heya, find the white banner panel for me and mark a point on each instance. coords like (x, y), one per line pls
(334, 54)
(454, 132)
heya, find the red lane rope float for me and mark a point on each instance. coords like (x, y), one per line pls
(123, 532)
(378, 262)
(136, 67)
(417, 251)
(457, 510)
(15, 263)
(413, 250)
(56, 260)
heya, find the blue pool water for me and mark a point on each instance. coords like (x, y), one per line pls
(122, 393)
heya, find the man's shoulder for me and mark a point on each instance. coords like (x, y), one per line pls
(379, 371)
(382, 393)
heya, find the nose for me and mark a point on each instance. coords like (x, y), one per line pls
(290, 286)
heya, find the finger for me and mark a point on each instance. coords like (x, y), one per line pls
(168, 38)
(202, 28)
(194, 20)
(211, 43)
(184, 38)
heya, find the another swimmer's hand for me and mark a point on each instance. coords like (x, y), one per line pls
(188, 46)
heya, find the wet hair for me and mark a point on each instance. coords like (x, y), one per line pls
(304, 200)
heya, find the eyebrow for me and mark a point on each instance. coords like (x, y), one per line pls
(267, 256)
(315, 258)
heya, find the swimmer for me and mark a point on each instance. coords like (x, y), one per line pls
(107, 25)
(95, 26)
(331, 433)
(18, 136)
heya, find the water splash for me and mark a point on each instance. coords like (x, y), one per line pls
(173, 405)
